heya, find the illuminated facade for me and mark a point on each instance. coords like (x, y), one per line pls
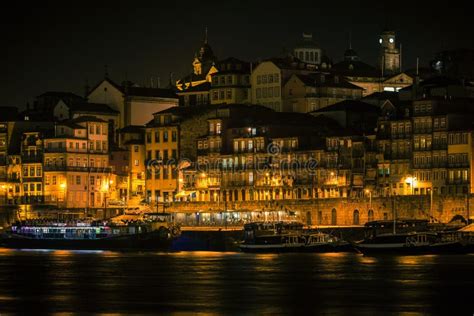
(306, 93)
(76, 164)
(231, 84)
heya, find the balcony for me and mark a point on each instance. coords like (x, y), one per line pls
(32, 179)
(38, 158)
(78, 169)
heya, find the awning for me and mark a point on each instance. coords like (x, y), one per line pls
(184, 194)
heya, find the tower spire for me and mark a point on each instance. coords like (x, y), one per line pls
(205, 35)
(350, 39)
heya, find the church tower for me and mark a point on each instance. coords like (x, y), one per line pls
(389, 59)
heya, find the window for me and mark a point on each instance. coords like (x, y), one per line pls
(174, 154)
(157, 154)
(136, 162)
(38, 187)
(259, 93)
(97, 129)
(165, 173)
(228, 94)
(174, 136)
(276, 78)
(221, 94)
(157, 137)
(92, 180)
(78, 180)
(165, 155)
(259, 79)
(148, 137)
(54, 180)
(276, 92)
(135, 149)
(215, 95)
(165, 136)
(148, 155)
(91, 129)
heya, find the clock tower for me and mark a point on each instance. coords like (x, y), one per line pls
(389, 59)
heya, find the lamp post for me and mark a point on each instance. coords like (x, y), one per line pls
(5, 188)
(370, 198)
(412, 182)
(105, 189)
(62, 189)
(431, 204)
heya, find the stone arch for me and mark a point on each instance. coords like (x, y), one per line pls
(370, 215)
(333, 217)
(355, 217)
(458, 218)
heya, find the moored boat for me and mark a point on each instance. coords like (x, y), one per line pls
(409, 241)
(150, 234)
(282, 237)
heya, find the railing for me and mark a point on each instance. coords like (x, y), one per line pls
(31, 158)
(75, 168)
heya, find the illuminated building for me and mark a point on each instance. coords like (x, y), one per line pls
(267, 80)
(231, 84)
(76, 164)
(194, 88)
(136, 104)
(306, 93)
(169, 137)
(390, 55)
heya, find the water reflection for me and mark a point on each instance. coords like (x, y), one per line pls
(230, 283)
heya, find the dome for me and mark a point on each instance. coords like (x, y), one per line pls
(350, 54)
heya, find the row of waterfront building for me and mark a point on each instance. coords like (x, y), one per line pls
(292, 128)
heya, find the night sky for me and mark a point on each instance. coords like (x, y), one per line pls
(57, 45)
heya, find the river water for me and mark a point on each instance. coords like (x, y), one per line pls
(38, 282)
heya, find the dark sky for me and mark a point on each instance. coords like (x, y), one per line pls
(57, 45)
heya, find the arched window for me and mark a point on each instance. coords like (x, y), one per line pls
(370, 215)
(333, 217)
(356, 217)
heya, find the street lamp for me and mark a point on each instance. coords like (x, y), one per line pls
(412, 182)
(62, 187)
(431, 204)
(367, 191)
(4, 187)
(105, 188)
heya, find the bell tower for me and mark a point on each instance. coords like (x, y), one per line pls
(389, 57)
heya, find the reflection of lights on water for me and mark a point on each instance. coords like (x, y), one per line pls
(5, 250)
(414, 260)
(199, 253)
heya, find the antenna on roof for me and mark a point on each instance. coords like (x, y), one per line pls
(205, 37)
(86, 89)
(400, 61)
(350, 39)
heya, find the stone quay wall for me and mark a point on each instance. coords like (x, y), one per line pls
(345, 211)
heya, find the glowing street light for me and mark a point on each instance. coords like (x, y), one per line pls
(412, 181)
(367, 191)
